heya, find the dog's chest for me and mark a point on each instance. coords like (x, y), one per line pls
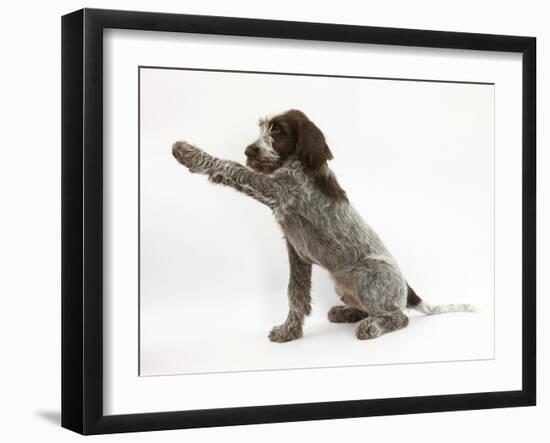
(301, 234)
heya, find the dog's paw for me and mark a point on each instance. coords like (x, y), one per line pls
(283, 333)
(183, 151)
(190, 156)
(367, 330)
(345, 314)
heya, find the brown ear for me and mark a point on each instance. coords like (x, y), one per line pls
(311, 147)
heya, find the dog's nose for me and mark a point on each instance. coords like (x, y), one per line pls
(251, 151)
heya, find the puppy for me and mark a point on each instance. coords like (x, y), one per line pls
(287, 170)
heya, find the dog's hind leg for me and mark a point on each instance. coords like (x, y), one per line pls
(376, 325)
(383, 295)
(352, 311)
(299, 299)
(345, 314)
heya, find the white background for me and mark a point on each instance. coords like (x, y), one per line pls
(416, 159)
(30, 183)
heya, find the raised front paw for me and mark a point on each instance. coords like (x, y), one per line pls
(189, 156)
(284, 333)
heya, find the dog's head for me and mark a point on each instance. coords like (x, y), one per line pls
(293, 135)
(285, 135)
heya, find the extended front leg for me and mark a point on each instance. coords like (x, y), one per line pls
(258, 186)
(299, 299)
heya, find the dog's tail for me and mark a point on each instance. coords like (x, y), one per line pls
(415, 302)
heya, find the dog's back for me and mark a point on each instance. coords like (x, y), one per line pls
(323, 230)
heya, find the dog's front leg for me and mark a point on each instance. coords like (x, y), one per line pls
(258, 186)
(299, 299)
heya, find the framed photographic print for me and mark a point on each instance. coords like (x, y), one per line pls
(269, 221)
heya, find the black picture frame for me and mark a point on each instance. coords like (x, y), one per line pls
(82, 220)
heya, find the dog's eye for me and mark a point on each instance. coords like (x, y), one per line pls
(275, 130)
